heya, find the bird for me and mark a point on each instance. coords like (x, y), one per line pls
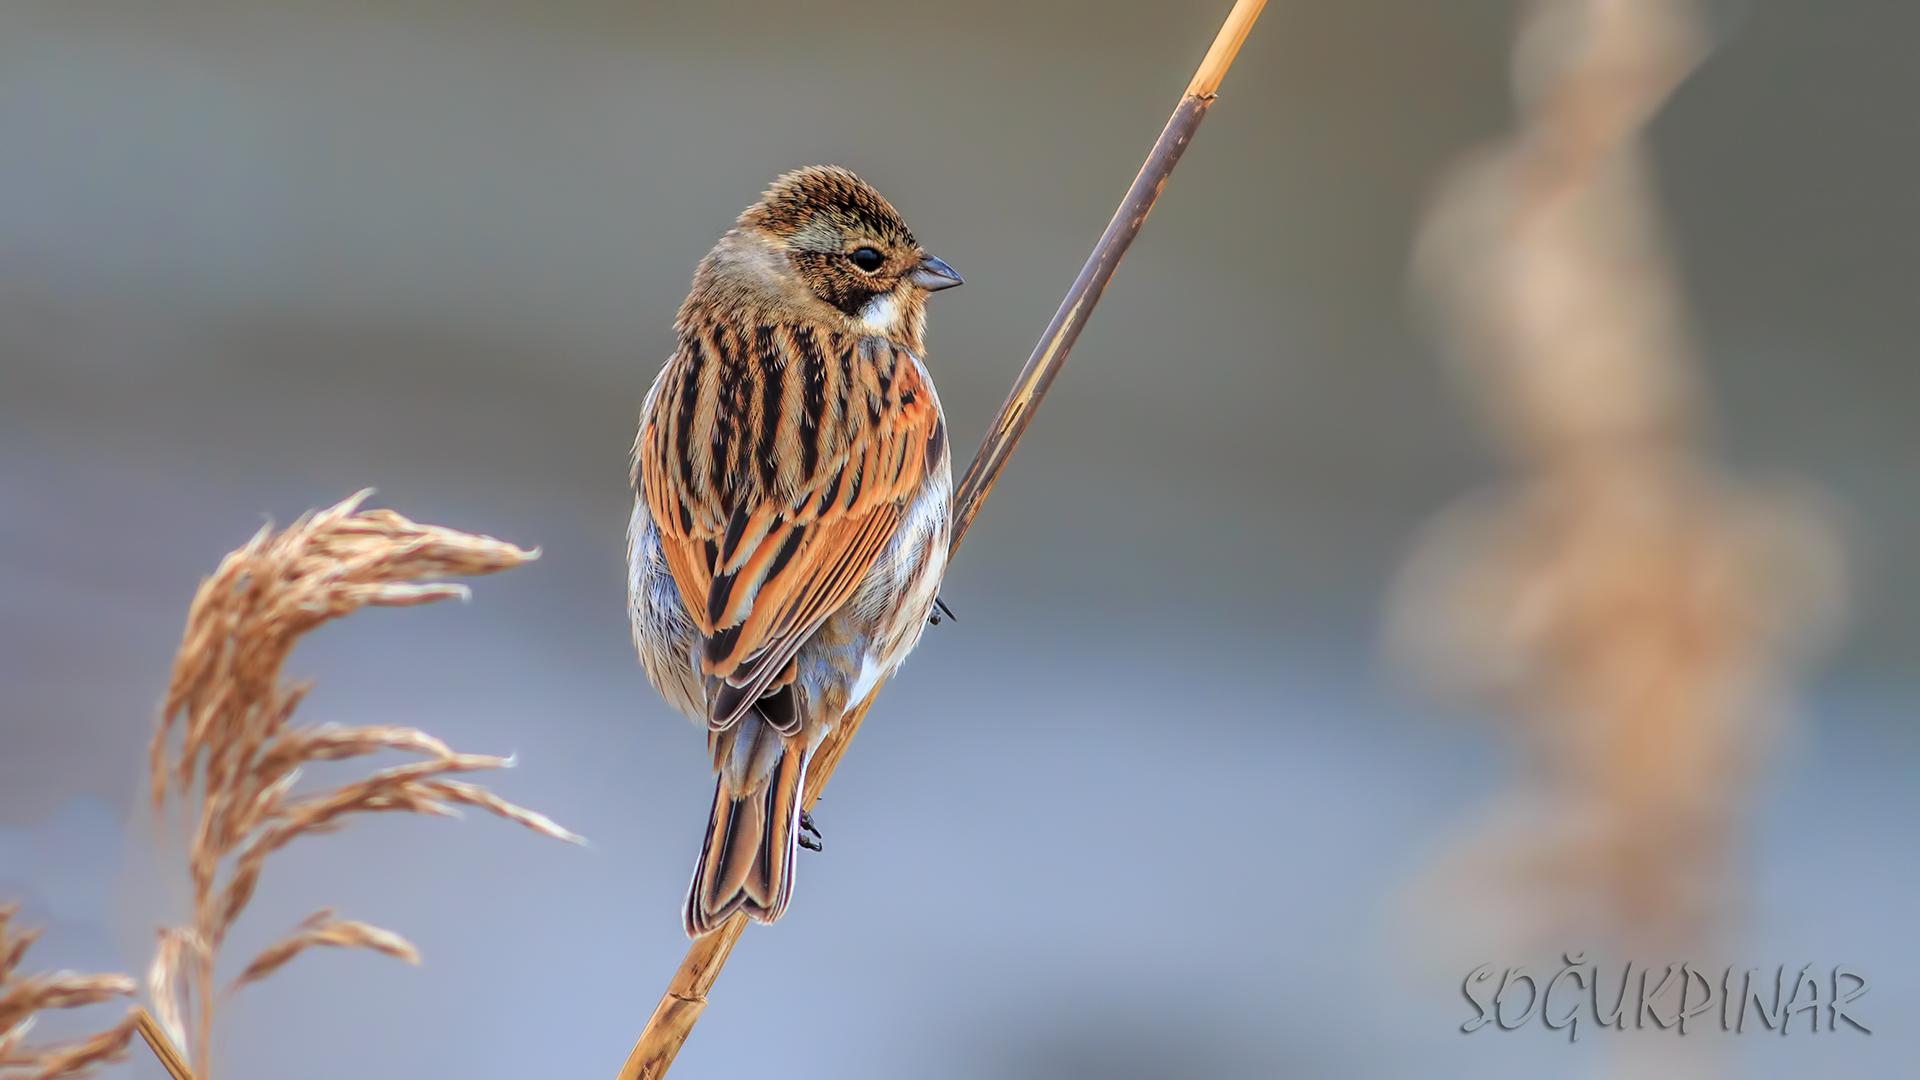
(792, 511)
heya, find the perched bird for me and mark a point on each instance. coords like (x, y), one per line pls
(793, 496)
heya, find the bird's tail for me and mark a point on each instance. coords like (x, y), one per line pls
(747, 863)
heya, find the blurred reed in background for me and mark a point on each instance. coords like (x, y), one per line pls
(1632, 610)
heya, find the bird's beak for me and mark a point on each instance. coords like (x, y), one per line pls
(933, 275)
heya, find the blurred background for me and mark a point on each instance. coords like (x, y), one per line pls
(255, 256)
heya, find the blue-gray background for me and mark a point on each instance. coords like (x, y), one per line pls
(1140, 811)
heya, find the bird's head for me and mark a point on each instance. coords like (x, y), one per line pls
(849, 249)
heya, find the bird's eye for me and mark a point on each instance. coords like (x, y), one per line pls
(867, 259)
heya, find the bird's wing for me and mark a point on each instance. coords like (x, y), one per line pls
(777, 465)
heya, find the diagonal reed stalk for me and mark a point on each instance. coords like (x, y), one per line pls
(162, 1046)
(686, 995)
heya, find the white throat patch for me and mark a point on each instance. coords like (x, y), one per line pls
(881, 316)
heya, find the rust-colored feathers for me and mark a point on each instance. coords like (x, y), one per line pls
(781, 462)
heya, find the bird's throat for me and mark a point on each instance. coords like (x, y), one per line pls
(882, 317)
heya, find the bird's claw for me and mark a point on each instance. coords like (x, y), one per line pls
(809, 833)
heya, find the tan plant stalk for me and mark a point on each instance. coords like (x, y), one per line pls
(1633, 608)
(162, 1045)
(240, 753)
(21, 997)
(686, 997)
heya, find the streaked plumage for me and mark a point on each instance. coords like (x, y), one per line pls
(793, 490)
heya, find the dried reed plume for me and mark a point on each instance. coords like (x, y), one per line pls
(240, 752)
(1632, 608)
(23, 996)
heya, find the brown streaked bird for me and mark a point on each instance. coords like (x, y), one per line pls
(793, 499)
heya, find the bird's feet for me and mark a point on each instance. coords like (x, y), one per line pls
(809, 833)
(940, 609)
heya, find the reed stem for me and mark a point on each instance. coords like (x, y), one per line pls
(686, 995)
(162, 1046)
